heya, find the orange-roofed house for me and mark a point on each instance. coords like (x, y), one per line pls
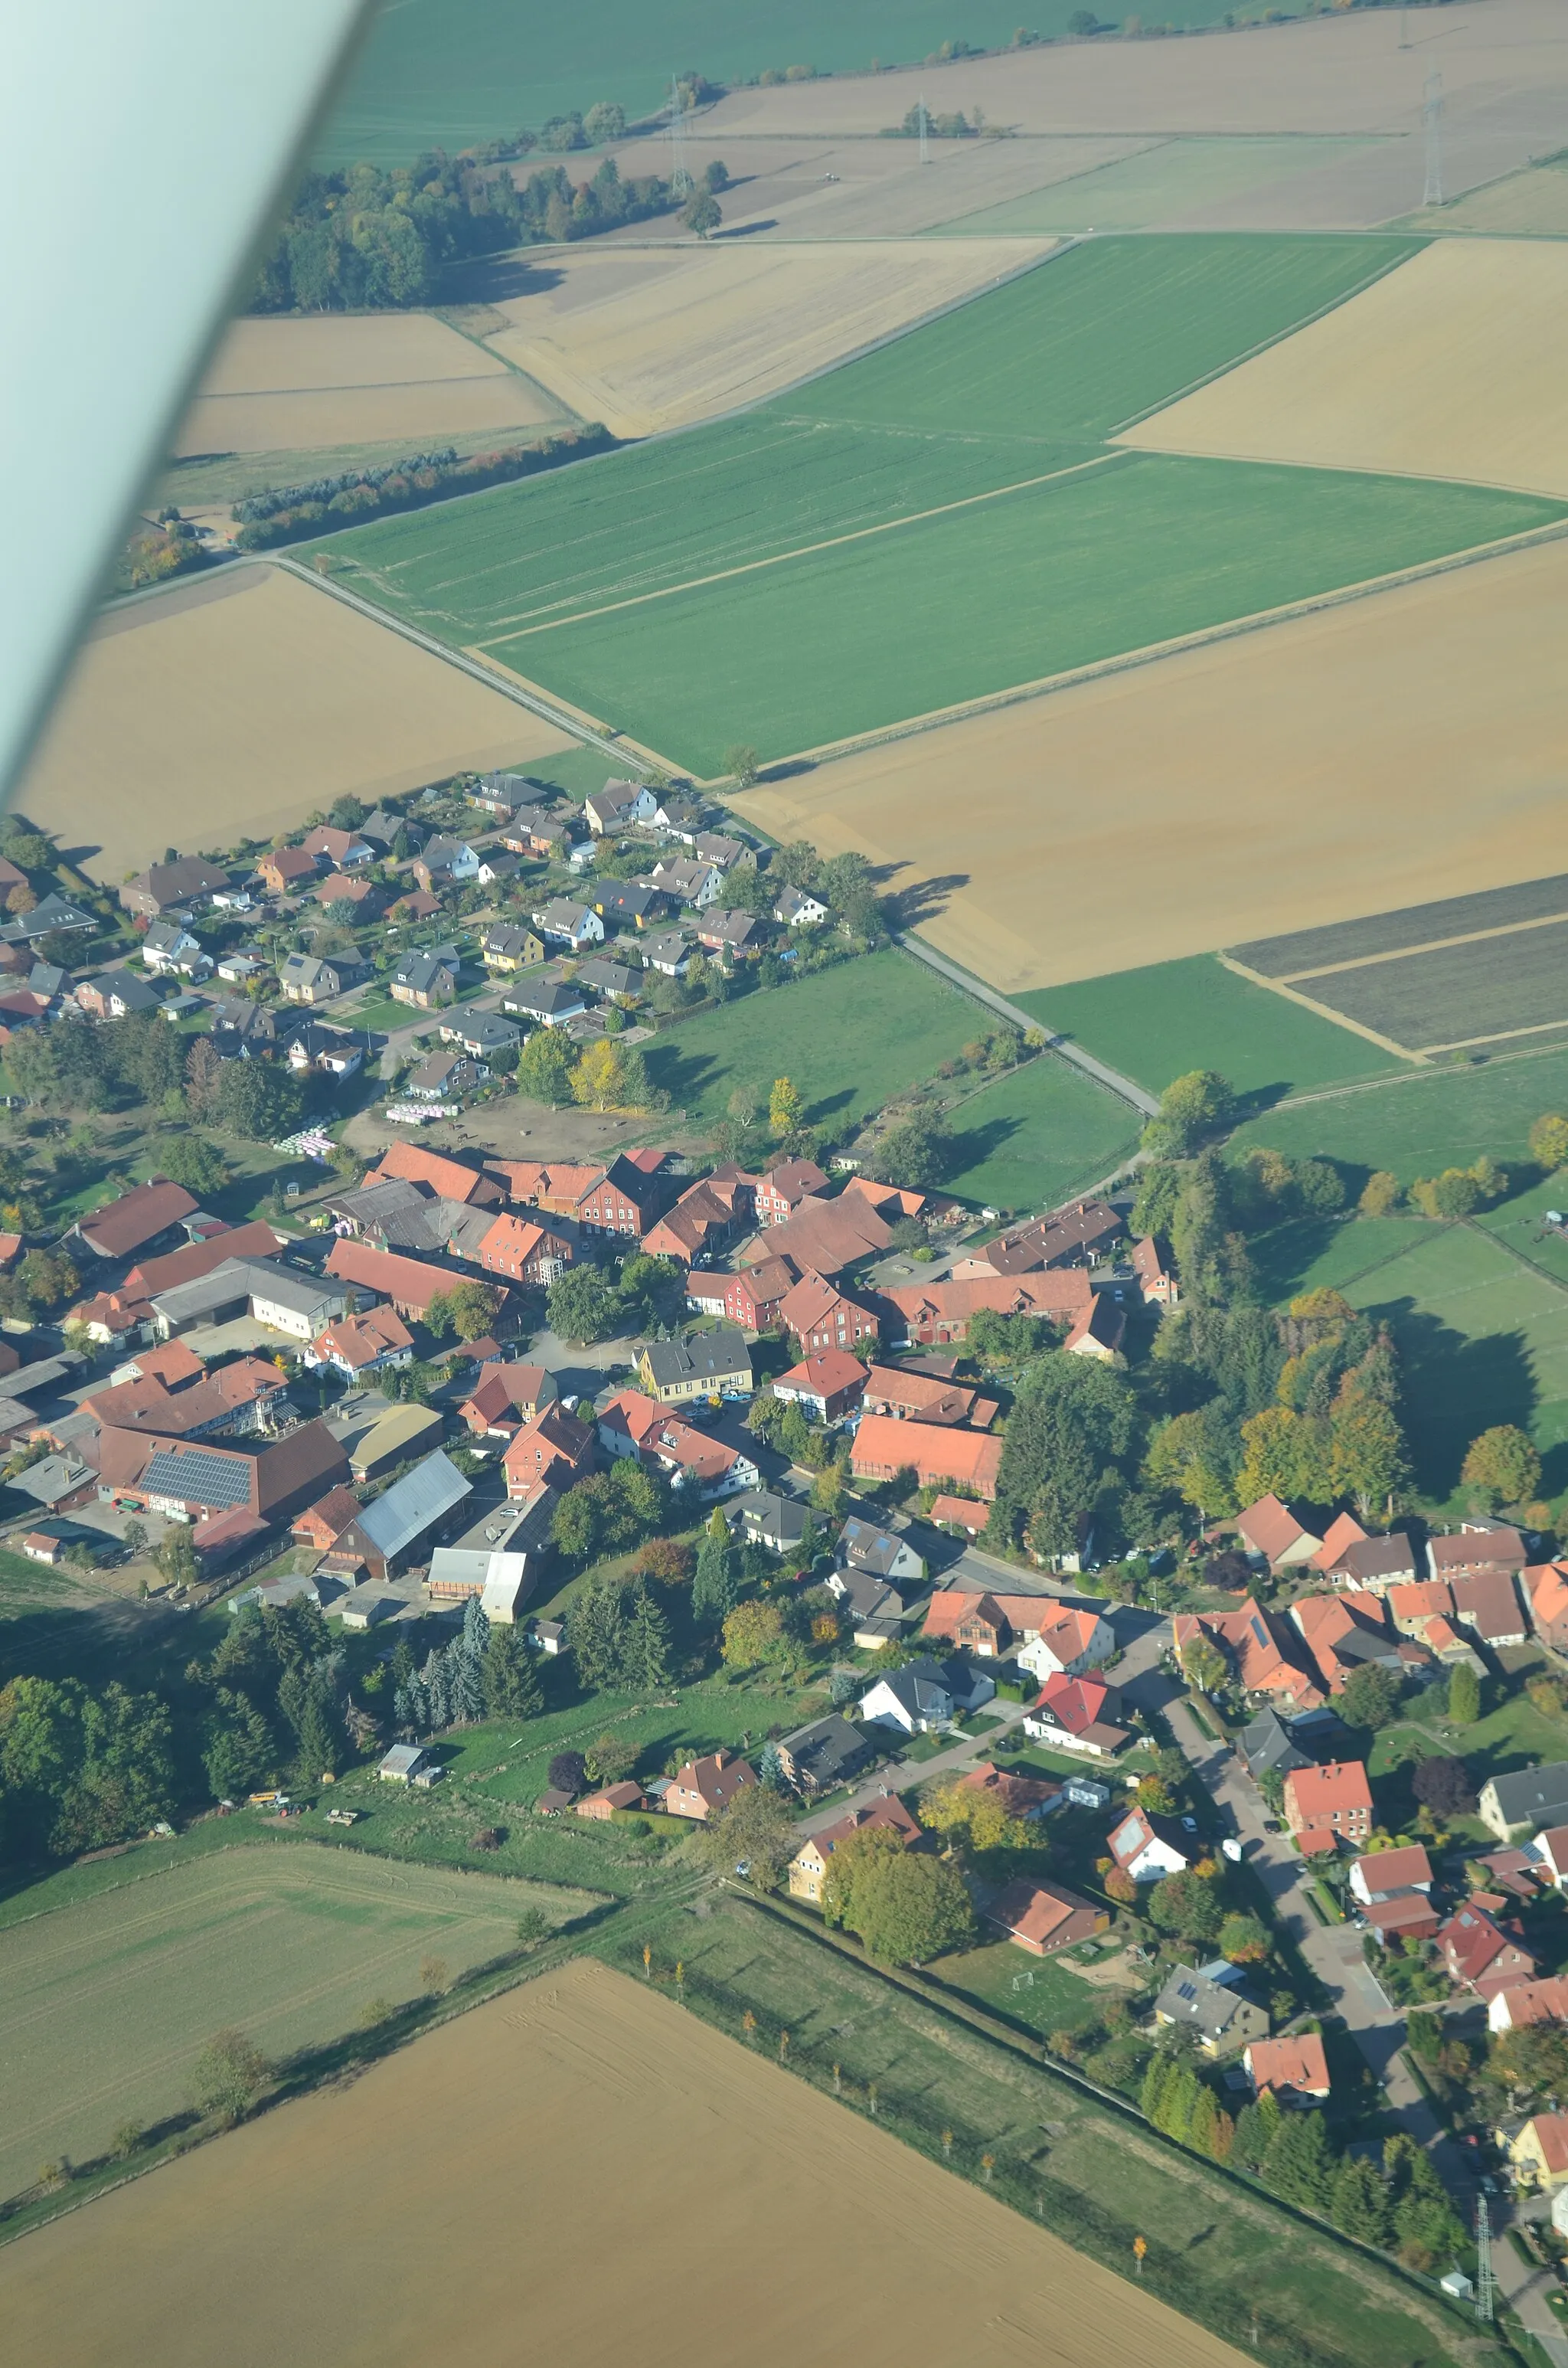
(628, 1421)
(1096, 1330)
(808, 1868)
(821, 1317)
(1417, 1601)
(1078, 1714)
(1325, 1806)
(1293, 2070)
(1519, 2004)
(554, 1448)
(939, 1314)
(1067, 1642)
(1479, 1953)
(363, 1344)
(524, 1252)
(321, 1524)
(409, 1283)
(448, 1179)
(1343, 1636)
(960, 1513)
(780, 1193)
(956, 1615)
(704, 1786)
(1546, 1592)
(1343, 1530)
(938, 1457)
(558, 1187)
(1271, 1530)
(1538, 2152)
(1392, 1887)
(829, 1385)
(1020, 1797)
(1045, 1917)
(506, 1397)
(927, 1397)
(1268, 1654)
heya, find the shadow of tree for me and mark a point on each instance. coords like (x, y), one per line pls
(1453, 1388)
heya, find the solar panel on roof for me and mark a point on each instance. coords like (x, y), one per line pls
(222, 1481)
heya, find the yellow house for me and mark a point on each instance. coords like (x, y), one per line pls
(1538, 2152)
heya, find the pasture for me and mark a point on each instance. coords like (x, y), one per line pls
(239, 703)
(305, 385)
(646, 338)
(106, 2004)
(1033, 1139)
(1483, 1337)
(588, 2080)
(1158, 1023)
(1450, 367)
(848, 1037)
(1425, 1121)
(1395, 748)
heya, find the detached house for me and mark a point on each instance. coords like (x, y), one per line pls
(1481, 1953)
(1218, 2015)
(1147, 1846)
(1325, 1806)
(285, 869)
(808, 1868)
(924, 1697)
(444, 858)
(315, 978)
(425, 981)
(1045, 1917)
(562, 923)
(821, 1317)
(1271, 1531)
(704, 1786)
(1079, 1714)
(618, 805)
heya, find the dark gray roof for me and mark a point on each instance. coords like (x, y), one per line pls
(412, 1504)
(718, 1356)
(609, 978)
(826, 1751)
(486, 1031)
(545, 999)
(1534, 1795)
(922, 1687)
(1194, 2002)
(50, 912)
(770, 1514)
(1269, 1747)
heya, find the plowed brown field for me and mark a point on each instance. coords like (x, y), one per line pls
(1396, 748)
(578, 2172)
(1453, 366)
(236, 705)
(302, 386)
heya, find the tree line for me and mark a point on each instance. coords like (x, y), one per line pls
(294, 513)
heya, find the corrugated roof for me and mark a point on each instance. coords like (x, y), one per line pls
(416, 1500)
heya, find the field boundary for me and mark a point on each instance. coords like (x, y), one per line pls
(1209, 636)
(1322, 1010)
(1100, 1071)
(1430, 946)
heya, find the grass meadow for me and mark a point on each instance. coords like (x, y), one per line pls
(1034, 1138)
(615, 583)
(1423, 1122)
(105, 2003)
(1158, 1023)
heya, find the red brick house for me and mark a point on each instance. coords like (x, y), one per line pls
(1325, 1806)
(625, 1201)
(321, 1524)
(524, 1253)
(821, 1315)
(1479, 1953)
(939, 1457)
(407, 1282)
(703, 1786)
(286, 868)
(828, 1383)
(504, 1398)
(780, 1193)
(555, 1447)
(1546, 1591)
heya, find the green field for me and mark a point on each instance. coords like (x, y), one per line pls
(848, 1037)
(954, 488)
(454, 72)
(1158, 1023)
(106, 2004)
(1483, 1337)
(1158, 185)
(1033, 1139)
(1422, 1123)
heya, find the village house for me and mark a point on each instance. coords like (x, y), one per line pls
(808, 1868)
(938, 1314)
(883, 1554)
(824, 1753)
(169, 946)
(342, 888)
(685, 880)
(1147, 1846)
(1519, 2004)
(507, 948)
(1487, 1607)
(1480, 1951)
(548, 1002)
(630, 904)
(1080, 1714)
(779, 1194)
(797, 908)
(1475, 1547)
(1391, 1888)
(704, 1786)
(562, 923)
(1155, 1279)
(1537, 2151)
(910, 1395)
(710, 1364)
(320, 1525)
(357, 1345)
(504, 1397)
(316, 978)
(1080, 1235)
(618, 805)
(444, 1076)
(553, 1450)
(1325, 1806)
(445, 861)
(767, 1519)
(187, 883)
(524, 1253)
(284, 869)
(1217, 2014)
(114, 995)
(1526, 1800)
(924, 1697)
(1546, 1591)
(1266, 1652)
(1293, 2070)
(344, 851)
(937, 1456)
(624, 1201)
(965, 1514)
(425, 981)
(821, 1315)
(827, 1385)
(1067, 1642)
(1045, 1917)
(1271, 1532)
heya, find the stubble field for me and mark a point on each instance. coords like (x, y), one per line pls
(747, 2215)
(1453, 366)
(647, 337)
(235, 706)
(1404, 745)
(306, 385)
(106, 2005)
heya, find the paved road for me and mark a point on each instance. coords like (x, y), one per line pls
(1112, 1079)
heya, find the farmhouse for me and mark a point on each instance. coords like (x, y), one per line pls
(419, 1508)
(821, 1317)
(822, 1236)
(448, 1178)
(136, 1220)
(1325, 1806)
(506, 1397)
(827, 1384)
(1476, 1548)
(358, 1345)
(526, 1252)
(410, 1286)
(676, 1371)
(938, 1313)
(187, 1482)
(911, 1395)
(552, 1449)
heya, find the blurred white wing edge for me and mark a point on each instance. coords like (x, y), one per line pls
(150, 150)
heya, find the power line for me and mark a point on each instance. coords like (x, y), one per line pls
(1486, 2283)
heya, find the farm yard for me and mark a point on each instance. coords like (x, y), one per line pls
(1450, 367)
(305, 385)
(107, 2002)
(979, 476)
(588, 2080)
(1159, 1023)
(646, 338)
(241, 703)
(1224, 790)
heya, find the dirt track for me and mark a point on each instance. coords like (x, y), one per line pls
(1398, 748)
(236, 705)
(579, 2172)
(1452, 366)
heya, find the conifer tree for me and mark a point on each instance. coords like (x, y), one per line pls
(1361, 2207)
(1256, 2126)
(1299, 2165)
(714, 1593)
(1203, 2123)
(1156, 2080)
(512, 1689)
(433, 1683)
(647, 1642)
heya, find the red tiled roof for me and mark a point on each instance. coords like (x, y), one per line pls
(1299, 2064)
(554, 1446)
(1343, 1530)
(1394, 1869)
(138, 1217)
(405, 1280)
(1551, 2138)
(826, 1374)
(449, 1180)
(1318, 1792)
(919, 1398)
(888, 1816)
(254, 1240)
(360, 1340)
(1546, 1585)
(1035, 1911)
(1078, 1704)
(1270, 1528)
(960, 1512)
(883, 1445)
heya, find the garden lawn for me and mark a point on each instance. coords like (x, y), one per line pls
(1034, 1138)
(1131, 550)
(1482, 1338)
(849, 1036)
(1043, 1992)
(1420, 1125)
(1159, 1023)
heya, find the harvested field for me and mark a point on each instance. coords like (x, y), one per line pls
(1178, 185)
(105, 2005)
(235, 706)
(287, 385)
(647, 337)
(1453, 996)
(1403, 746)
(1303, 953)
(581, 2085)
(1533, 203)
(1453, 366)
